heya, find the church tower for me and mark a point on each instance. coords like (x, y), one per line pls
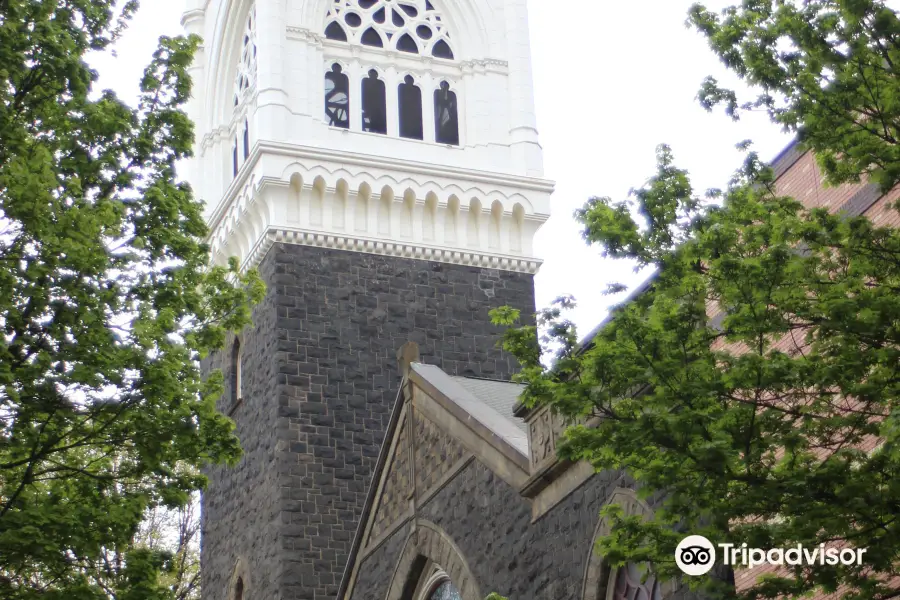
(378, 162)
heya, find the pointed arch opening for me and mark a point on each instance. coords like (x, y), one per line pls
(441, 49)
(630, 581)
(406, 44)
(335, 32)
(370, 37)
(424, 569)
(410, 105)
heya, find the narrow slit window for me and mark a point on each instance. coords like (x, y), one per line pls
(236, 374)
(446, 116)
(337, 97)
(246, 140)
(410, 97)
(234, 159)
(374, 103)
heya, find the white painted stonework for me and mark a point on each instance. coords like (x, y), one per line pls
(262, 66)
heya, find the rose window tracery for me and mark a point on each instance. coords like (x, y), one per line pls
(246, 71)
(412, 26)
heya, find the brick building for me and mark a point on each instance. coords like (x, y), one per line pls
(377, 161)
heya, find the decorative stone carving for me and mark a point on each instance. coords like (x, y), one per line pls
(544, 430)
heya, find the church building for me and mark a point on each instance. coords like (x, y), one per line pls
(378, 162)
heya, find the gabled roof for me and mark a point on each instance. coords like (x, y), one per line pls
(475, 418)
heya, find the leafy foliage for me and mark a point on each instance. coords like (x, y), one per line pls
(754, 384)
(106, 304)
(827, 70)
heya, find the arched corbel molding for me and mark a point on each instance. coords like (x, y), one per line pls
(430, 542)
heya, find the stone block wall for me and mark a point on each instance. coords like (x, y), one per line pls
(320, 379)
(240, 506)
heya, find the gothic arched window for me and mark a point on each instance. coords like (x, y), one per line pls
(239, 589)
(234, 159)
(374, 104)
(445, 591)
(435, 584)
(446, 117)
(410, 104)
(627, 583)
(408, 25)
(337, 97)
(245, 79)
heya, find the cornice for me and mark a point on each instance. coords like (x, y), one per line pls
(367, 245)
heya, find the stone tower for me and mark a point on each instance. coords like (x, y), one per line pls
(378, 162)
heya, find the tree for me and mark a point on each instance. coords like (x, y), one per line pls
(107, 303)
(755, 384)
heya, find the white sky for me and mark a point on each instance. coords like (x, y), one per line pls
(613, 80)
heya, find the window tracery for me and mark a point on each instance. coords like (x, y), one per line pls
(435, 584)
(413, 26)
(245, 79)
(626, 583)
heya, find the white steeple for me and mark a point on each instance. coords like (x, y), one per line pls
(399, 127)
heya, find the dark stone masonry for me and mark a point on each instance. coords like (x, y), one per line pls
(319, 379)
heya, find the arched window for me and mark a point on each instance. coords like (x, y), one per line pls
(410, 24)
(246, 139)
(234, 159)
(374, 104)
(410, 102)
(337, 97)
(446, 117)
(236, 396)
(435, 584)
(627, 583)
(239, 589)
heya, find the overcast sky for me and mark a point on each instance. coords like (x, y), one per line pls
(613, 80)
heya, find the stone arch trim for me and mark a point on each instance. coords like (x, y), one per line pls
(240, 571)
(431, 542)
(595, 571)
